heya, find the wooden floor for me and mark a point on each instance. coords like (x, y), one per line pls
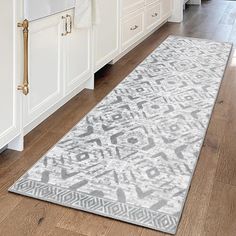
(211, 205)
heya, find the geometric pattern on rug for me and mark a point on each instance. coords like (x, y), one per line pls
(132, 157)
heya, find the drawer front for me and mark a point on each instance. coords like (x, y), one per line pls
(132, 29)
(153, 15)
(129, 6)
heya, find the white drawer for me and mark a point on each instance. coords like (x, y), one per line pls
(132, 28)
(129, 6)
(153, 15)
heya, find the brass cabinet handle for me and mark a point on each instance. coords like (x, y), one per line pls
(155, 15)
(25, 86)
(65, 26)
(70, 23)
(134, 28)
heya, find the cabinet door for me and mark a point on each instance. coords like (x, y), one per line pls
(106, 36)
(77, 56)
(45, 67)
(10, 76)
(166, 8)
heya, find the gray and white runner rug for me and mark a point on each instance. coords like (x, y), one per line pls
(133, 156)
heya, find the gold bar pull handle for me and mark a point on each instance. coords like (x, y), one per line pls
(25, 86)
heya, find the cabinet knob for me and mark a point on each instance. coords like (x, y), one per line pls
(155, 14)
(134, 27)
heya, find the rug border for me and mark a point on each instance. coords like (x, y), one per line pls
(161, 229)
(126, 220)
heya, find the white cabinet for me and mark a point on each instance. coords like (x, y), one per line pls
(45, 67)
(106, 33)
(59, 62)
(10, 102)
(76, 56)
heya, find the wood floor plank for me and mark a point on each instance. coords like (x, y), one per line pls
(8, 157)
(149, 232)
(232, 37)
(221, 217)
(63, 232)
(123, 229)
(8, 203)
(30, 217)
(84, 223)
(226, 170)
(222, 35)
(229, 15)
